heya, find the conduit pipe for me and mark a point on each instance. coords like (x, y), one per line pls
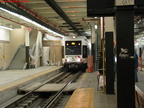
(103, 52)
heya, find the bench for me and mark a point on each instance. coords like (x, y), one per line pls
(81, 98)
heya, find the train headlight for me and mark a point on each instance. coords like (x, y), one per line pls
(67, 60)
(78, 59)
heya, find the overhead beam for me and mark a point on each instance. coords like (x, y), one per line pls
(60, 12)
(73, 23)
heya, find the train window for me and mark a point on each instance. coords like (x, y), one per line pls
(62, 51)
(84, 51)
(73, 48)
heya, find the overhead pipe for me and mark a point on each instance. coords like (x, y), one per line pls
(38, 16)
(103, 51)
(89, 19)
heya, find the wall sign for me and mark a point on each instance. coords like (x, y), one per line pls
(124, 54)
(124, 2)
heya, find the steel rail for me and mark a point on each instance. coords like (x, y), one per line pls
(53, 99)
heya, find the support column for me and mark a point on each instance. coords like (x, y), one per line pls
(27, 57)
(27, 48)
(93, 32)
(109, 63)
(125, 57)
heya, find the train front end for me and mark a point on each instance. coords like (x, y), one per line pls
(73, 55)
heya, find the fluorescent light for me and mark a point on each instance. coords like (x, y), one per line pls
(30, 21)
(6, 27)
(9, 12)
(74, 37)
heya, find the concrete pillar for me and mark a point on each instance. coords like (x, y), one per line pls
(27, 44)
(125, 57)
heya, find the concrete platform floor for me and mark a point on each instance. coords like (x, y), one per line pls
(140, 83)
(9, 76)
(101, 100)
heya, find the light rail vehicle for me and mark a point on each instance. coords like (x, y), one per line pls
(75, 53)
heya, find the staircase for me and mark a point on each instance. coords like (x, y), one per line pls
(98, 50)
(18, 60)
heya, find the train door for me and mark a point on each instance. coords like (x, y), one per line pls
(56, 54)
(46, 55)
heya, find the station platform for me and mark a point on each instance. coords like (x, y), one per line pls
(12, 80)
(88, 85)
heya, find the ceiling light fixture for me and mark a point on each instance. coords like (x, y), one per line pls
(74, 37)
(30, 21)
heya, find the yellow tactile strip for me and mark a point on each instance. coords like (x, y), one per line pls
(25, 79)
(82, 98)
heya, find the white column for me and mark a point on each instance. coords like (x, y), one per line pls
(93, 32)
(27, 41)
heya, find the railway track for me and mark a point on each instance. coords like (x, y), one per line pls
(31, 99)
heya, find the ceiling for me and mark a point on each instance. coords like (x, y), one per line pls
(66, 17)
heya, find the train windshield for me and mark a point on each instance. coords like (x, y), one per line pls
(73, 47)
